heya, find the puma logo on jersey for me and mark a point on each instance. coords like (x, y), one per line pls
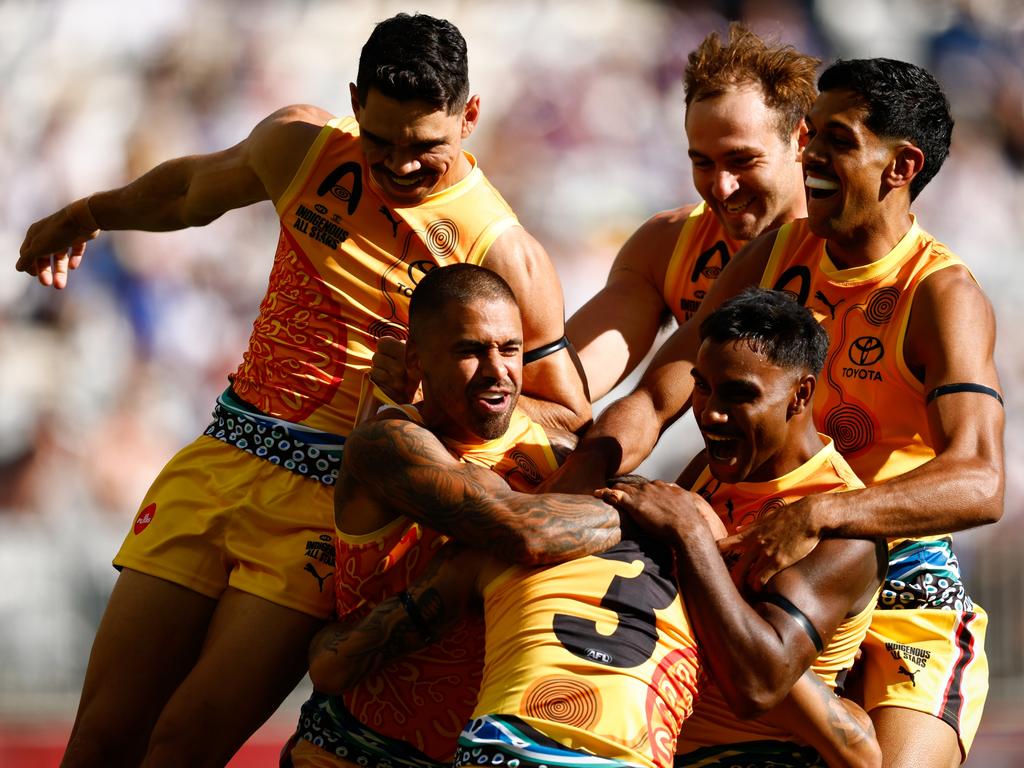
(387, 215)
(904, 671)
(831, 307)
(319, 579)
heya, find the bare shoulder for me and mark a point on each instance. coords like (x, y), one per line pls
(279, 143)
(648, 251)
(517, 250)
(524, 264)
(951, 321)
(949, 292)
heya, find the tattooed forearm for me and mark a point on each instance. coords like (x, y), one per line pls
(414, 473)
(342, 654)
(846, 726)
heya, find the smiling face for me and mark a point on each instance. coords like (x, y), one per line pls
(848, 168)
(413, 148)
(470, 358)
(747, 172)
(744, 406)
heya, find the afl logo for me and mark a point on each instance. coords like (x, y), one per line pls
(332, 183)
(866, 350)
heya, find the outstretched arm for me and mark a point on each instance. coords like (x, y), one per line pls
(406, 467)
(763, 647)
(840, 730)
(615, 329)
(184, 192)
(950, 340)
(343, 653)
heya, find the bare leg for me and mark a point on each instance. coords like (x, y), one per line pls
(148, 639)
(910, 739)
(254, 655)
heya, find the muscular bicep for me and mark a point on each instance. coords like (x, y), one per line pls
(260, 167)
(951, 341)
(838, 579)
(404, 466)
(615, 329)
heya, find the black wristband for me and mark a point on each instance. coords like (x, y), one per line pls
(799, 616)
(548, 349)
(949, 389)
(413, 612)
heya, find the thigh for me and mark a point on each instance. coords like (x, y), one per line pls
(281, 542)
(178, 533)
(254, 655)
(911, 739)
(150, 635)
(929, 661)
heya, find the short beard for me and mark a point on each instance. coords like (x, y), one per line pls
(495, 425)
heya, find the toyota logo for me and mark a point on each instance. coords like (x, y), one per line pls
(866, 350)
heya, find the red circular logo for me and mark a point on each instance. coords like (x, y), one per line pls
(144, 518)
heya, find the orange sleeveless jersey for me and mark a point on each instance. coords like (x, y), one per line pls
(701, 253)
(740, 504)
(426, 698)
(866, 383)
(596, 653)
(347, 261)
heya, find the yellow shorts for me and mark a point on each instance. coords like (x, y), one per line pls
(931, 661)
(217, 516)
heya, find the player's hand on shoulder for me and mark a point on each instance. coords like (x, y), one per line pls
(775, 541)
(662, 509)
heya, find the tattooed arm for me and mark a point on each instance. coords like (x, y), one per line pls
(839, 729)
(343, 653)
(404, 467)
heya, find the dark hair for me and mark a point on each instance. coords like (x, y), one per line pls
(903, 101)
(416, 58)
(784, 75)
(457, 283)
(774, 325)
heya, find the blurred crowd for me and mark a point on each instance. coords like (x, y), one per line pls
(581, 130)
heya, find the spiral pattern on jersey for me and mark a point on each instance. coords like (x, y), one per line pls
(380, 328)
(851, 428)
(526, 466)
(571, 701)
(770, 506)
(442, 237)
(881, 305)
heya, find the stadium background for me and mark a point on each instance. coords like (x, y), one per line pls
(581, 130)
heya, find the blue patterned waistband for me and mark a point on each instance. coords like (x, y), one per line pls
(326, 723)
(508, 741)
(924, 574)
(307, 452)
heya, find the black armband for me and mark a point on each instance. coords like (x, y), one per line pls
(799, 616)
(413, 612)
(548, 349)
(950, 389)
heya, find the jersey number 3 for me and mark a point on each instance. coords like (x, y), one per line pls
(633, 600)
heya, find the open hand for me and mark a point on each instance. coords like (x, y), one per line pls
(55, 244)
